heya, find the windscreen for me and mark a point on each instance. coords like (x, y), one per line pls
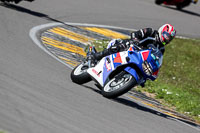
(156, 55)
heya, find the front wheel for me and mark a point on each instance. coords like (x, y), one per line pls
(118, 85)
(79, 74)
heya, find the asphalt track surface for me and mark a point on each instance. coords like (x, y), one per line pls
(36, 93)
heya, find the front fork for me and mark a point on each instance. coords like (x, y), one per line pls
(133, 72)
(90, 57)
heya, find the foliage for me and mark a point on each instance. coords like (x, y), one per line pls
(179, 77)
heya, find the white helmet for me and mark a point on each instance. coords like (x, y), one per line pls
(166, 33)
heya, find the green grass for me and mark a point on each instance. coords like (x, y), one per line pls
(178, 84)
(99, 45)
(179, 78)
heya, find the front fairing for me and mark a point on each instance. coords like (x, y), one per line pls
(153, 57)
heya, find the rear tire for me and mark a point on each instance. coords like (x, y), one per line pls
(115, 88)
(183, 5)
(79, 74)
(179, 7)
(159, 2)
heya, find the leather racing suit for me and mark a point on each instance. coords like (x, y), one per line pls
(142, 38)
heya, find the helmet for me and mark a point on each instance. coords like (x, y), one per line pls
(166, 33)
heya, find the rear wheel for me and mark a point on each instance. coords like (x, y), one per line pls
(118, 85)
(183, 4)
(158, 2)
(79, 74)
(179, 7)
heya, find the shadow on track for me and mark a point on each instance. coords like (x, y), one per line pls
(28, 11)
(133, 104)
(184, 11)
(146, 109)
(95, 90)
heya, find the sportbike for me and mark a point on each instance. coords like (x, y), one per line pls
(118, 73)
(15, 1)
(178, 3)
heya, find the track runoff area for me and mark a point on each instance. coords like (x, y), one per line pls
(66, 42)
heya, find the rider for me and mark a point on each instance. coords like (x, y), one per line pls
(142, 38)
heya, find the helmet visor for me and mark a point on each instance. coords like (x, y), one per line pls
(166, 37)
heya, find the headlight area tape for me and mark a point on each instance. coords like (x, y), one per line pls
(147, 68)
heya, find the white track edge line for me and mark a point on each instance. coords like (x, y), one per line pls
(33, 36)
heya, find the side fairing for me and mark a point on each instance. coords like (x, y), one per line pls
(109, 63)
(97, 71)
(106, 65)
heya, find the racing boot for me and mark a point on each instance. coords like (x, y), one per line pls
(113, 49)
(99, 55)
(93, 58)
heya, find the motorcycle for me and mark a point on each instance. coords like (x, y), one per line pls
(15, 1)
(118, 73)
(178, 3)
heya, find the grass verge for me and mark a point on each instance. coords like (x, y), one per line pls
(178, 84)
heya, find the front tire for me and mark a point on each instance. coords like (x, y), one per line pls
(79, 74)
(118, 86)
